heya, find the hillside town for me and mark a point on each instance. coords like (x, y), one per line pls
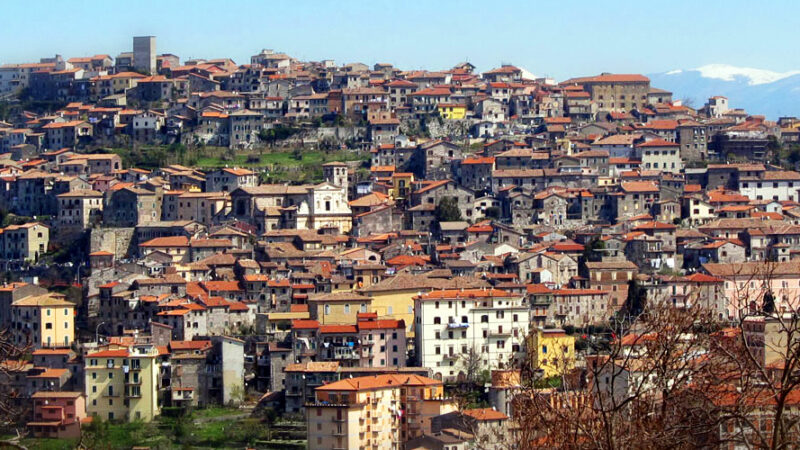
(391, 258)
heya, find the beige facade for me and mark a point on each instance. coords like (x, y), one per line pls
(122, 383)
(24, 242)
(202, 206)
(616, 92)
(77, 209)
(376, 412)
(43, 321)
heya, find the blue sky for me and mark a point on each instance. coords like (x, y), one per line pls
(554, 38)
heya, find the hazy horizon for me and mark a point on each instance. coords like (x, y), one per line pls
(546, 39)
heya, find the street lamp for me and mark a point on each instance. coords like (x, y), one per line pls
(96, 333)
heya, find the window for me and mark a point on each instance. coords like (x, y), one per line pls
(437, 320)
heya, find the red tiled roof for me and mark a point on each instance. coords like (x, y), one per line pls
(189, 345)
(481, 414)
(305, 324)
(109, 354)
(336, 329)
(170, 241)
(384, 324)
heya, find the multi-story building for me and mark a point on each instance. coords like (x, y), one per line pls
(24, 242)
(57, 414)
(144, 54)
(78, 209)
(612, 277)
(11, 292)
(778, 185)
(378, 412)
(122, 383)
(45, 320)
(228, 180)
(131, 206)
(453, 326)
(616, 92)
(552, 351)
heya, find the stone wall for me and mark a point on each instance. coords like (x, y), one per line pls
(119, 241)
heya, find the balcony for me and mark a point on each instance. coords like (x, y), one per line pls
(345, 353)
(339, 419)
(498, 333)
(455, 325)
(450, 356)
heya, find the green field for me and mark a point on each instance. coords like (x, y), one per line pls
(297, 165)
(203, 430)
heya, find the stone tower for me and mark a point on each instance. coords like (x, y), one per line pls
(336, 174)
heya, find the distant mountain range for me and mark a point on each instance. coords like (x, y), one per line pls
(758, 91)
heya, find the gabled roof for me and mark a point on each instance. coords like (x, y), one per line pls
(379, 382)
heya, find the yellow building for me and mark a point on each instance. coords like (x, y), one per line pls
(393, 297)
(380, 411)
(452, 111)
(338, 308)
(402, 183)
(122, 383)
(43, 321)
(551, 351)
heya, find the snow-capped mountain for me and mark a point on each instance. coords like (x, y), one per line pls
(758, 91)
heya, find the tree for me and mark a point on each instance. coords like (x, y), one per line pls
(592, 252)
(11, 360)
(635, 301)
(636, 394)
(769, 303)
(492, 212)
(447, 210)
(681, 377)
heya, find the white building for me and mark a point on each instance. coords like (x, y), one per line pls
(659, 154)
(450, 324)
(776, 185)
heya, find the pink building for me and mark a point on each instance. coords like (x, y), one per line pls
(747, 283)
(57, 414)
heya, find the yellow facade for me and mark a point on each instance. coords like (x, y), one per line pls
(330, 312)
(552, 351)
(401, 185)
(396, 305)
(43, 321)
(122, 383)
(452, 112)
